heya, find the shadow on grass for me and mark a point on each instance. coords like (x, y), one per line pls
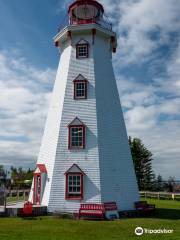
(31, 218)
(165, 213)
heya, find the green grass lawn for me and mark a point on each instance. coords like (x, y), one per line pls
(51, 228)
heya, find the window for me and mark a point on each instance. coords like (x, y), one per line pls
(82, 50)
(74, 183)
(74, 186)
(80, 89)
(76, 137)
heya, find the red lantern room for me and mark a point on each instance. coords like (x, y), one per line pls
(85, 11)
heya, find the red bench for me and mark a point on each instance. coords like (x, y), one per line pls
(144, 207)
(92, 210)
(110, 206)
(27, 210)
(89, 210)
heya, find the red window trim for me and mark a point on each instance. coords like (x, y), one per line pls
(69, 137)
(80, 197)
(80, 81)
(82, 44)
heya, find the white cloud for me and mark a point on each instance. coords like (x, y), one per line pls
(153, 114)
(24, 102)
(138, 97)
(141, 118)
(163, 140)
(154, 118)
(152, 110)
(142, 25)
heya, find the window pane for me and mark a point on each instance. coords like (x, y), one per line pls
(74, 185)
(82, 50)
(80, 90)
(76, 136)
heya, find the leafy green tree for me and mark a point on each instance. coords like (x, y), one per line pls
(19, 177)
(29, 174)
(142, 159)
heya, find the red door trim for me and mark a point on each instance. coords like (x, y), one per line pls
(35, 200)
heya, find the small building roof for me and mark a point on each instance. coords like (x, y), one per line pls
(41, 168)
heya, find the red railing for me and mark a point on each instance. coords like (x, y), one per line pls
(101, 22)
(104, 23)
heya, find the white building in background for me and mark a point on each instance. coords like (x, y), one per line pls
(84, 155)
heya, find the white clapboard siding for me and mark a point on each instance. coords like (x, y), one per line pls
(106, 160)
(87, 159)
(118, 182)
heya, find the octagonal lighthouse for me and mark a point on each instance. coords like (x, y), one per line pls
(85, 155)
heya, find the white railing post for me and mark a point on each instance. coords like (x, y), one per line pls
(145, 195)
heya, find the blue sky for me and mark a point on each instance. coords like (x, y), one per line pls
(147, 68)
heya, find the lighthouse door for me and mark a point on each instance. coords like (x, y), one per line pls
(37, 189)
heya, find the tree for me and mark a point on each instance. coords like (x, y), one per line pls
(170, 185)
(20, 176)
(29, 174)
(2, 172)
(142, 159)
(160, 183)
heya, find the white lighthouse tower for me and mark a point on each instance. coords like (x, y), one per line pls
(84, 155)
